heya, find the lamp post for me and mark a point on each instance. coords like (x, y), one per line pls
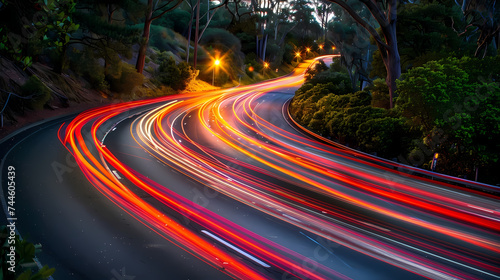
(216, 64)
(297, 55)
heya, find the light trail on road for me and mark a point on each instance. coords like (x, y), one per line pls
(239, 143)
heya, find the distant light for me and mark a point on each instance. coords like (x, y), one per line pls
(320, 47)
(308, 49)
(217, 62)
(297, 54)
(266, 65)
(250, 68)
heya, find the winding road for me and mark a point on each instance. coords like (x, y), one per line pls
(223, 184)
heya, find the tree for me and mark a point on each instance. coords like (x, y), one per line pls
(484, 17)
(177, 76)
(106, 29)
(153, 11)
(455, 104)
(61, 25)
(198, 34)
(385, 14)
(27, 23)
(192, 8)
(324, 11)
(425, 33)
(353, 42)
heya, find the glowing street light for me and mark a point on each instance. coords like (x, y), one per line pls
(297, 55)
(216, 64)
(308, 49)
(266, 65)
(320, 47)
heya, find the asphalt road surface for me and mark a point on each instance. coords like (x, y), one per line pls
(224, 184)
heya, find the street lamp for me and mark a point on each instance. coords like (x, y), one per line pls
(297, 55)
(266, 65)
(216, 64)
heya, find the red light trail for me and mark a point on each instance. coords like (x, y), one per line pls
(463, 225)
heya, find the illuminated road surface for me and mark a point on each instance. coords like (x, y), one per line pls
(227, 177)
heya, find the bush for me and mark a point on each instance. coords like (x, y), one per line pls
(252, 66)
(360, 98)
(85, 64)
(39, 92)
(163, 38)
(126, 80)
(384, 136)
(426, 93)
(456, 109)
(341, 83)
(319, 67)
(380, 93)
(222, 39)
(177, 20)
(177, 76)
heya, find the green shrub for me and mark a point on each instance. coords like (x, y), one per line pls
(360, 98)
(426, 93)
(84, 63)
(177, 76)
(164, 39)
(341, 83)
(39, 92)
(126, 80)
(455, 108)
(383, 135)
(380, 93)
(221, 39)
(317, 68)
(176, 20)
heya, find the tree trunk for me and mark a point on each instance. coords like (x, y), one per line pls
(257, 46)
(141, 57)
(189, 36)
(276, 32)
(264, 47)
(388, 49)
(196, 34)
(393, 61)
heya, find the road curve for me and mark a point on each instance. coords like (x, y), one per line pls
(244, 192)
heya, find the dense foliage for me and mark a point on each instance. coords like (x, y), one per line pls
(450, 107)
(455, 103)
(175, 75)
(327, 105)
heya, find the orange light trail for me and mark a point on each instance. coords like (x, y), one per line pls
(199, 134)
